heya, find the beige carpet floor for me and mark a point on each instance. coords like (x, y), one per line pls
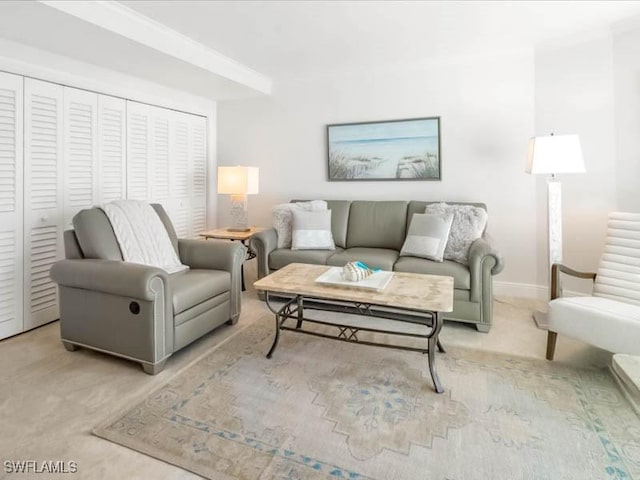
(325, 409)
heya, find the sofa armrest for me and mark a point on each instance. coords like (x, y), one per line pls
(262, 244)
(484, 261)
(109, 276)
(480, 251)
(212, 254)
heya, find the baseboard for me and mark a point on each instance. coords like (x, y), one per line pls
(527, 290)
(522, 290)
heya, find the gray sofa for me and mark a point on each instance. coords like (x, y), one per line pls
(373, 232)
(139, 312)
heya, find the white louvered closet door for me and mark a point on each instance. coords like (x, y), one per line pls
(11, 204)
(160, 157)
(112, 147)
(180, 201)
(81, 152)
(43, 198)
(138, 151)
(197, 174)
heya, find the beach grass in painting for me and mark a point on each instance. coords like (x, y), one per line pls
(391, 150)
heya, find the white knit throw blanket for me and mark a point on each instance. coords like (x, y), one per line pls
(141, 235)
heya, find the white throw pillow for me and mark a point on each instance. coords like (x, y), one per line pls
(468, 224)
(282, 217)
(427, 236)
(312, 230)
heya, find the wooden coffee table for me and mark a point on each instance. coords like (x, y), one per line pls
(409, 298)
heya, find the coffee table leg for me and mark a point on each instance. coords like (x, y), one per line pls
(277, 337)
(300, 311)
(433, 342)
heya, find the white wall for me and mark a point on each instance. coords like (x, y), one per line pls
(626, 45)
(574, 94)
(486, 107)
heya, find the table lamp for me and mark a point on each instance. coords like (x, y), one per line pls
(551, 155)
(238, 182)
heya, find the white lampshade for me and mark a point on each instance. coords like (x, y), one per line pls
(238, 180)
(555, 154)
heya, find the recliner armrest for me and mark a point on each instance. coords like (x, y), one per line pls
(217, 255)
(212, 254)
(108, 276)
(262, 244)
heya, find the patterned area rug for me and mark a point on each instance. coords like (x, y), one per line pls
(322, 409)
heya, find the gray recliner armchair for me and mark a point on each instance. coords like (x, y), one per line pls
(136, 311)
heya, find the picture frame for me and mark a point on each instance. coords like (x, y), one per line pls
(386, 150)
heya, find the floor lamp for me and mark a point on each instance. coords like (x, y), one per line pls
(238, 182)
(552, 155)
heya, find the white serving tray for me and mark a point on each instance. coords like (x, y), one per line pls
(376, 281)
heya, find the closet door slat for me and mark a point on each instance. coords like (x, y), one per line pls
(11, 204)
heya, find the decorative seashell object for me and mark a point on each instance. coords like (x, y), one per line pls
(356, 271)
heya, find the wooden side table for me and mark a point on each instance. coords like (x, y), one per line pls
(242, 237)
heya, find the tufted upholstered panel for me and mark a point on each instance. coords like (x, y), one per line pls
(619, 271)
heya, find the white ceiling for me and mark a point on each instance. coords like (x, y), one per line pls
(296, 38)
(282, 38)
(40, 26)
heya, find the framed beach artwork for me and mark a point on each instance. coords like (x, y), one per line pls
(386, 150)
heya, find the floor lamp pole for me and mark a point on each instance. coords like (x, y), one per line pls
(554, 231)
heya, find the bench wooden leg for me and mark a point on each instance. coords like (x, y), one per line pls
(551, 344)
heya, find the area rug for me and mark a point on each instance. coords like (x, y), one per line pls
(322, 409)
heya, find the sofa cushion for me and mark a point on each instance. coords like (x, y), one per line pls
(427, 236)
(460, 273)
(383, 258)
(195, 286)
(95, 235)
(377, 224)
(312, 231)
(284, 256)
(339, 220)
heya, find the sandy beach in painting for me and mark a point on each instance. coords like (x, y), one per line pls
(399, 158)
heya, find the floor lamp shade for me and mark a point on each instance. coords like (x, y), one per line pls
(238, 182)
(555, 154)
(551, 155)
